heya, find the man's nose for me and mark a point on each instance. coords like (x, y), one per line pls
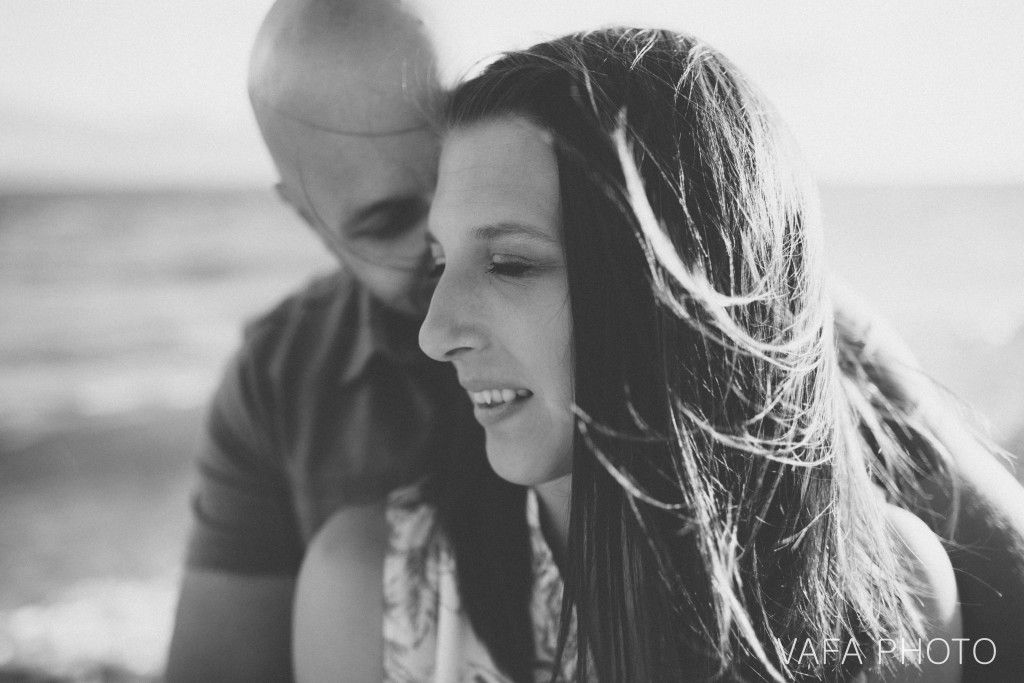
(452, 326)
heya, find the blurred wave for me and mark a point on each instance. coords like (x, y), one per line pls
(117, 302)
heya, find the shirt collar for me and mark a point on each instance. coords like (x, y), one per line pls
(380, 331)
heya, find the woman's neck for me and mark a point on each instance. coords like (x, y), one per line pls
(553, 497)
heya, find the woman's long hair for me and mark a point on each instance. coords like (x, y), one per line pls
(723, 514)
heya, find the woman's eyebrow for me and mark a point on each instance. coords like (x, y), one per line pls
(511, 229)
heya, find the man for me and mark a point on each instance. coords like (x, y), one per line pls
(329, 402)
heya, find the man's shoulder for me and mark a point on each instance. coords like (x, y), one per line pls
(285, 357)
(324, 298)
(319, 322)
(313, 333)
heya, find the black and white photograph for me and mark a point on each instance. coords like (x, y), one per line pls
(438, 341)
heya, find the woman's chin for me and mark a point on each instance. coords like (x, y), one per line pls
(509, 469)
(517, 467)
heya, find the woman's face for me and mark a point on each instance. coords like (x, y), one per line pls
(500, 312)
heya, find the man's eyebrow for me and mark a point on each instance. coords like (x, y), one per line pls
(510, 229)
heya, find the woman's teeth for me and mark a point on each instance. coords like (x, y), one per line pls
(493, 397)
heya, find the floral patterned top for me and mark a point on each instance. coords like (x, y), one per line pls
(427, 635)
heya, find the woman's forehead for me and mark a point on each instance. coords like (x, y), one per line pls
(499, 172)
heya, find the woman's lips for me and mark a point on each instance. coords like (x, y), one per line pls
(492, 397)
(494, 405)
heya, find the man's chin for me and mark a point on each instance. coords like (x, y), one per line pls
(409, 308)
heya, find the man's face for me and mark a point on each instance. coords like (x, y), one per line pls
(366, 196)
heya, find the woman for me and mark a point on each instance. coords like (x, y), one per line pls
(633, 297)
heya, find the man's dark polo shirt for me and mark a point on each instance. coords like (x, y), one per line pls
(329, 402)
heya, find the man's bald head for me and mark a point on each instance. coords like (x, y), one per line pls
(343, 92)
(364, 67)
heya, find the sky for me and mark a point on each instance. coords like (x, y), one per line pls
(131, 93)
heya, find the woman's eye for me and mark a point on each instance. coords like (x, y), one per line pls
(509, 267)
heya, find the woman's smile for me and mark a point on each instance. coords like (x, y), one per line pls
(490, 412)
(493, 401)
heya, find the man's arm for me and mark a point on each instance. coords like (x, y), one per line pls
(233, 620)
(935, 591)
(232, 627)
(987, 550)
(986, 546)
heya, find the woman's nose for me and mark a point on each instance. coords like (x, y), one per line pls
(451, 327)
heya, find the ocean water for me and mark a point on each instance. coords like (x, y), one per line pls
(118, 311)
(112, 303)
(945, 268)
(116, 315)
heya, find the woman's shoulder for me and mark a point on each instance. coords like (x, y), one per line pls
(338, 612)
(403, 523)
(342, 628)
(933, 586)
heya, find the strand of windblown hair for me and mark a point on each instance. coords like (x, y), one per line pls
(802, 432)
(662, 257)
